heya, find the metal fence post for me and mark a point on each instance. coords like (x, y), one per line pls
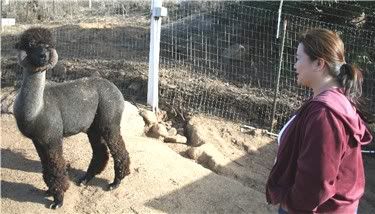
(153, 75)
(278, 78)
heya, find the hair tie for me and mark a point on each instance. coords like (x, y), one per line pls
(346, 70)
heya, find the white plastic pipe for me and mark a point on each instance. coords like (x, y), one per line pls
(279, 19)
(153, 72)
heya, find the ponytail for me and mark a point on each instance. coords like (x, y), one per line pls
(351, 79)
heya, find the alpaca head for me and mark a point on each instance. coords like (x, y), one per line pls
(36, 49)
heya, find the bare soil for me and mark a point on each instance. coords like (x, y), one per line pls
(226, 174)
(161, 180)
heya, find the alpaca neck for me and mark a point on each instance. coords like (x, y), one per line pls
(30, 99)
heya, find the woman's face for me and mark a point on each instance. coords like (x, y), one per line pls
(305, 68)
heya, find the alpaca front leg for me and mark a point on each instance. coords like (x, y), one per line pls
(42, 155)
(54, 172)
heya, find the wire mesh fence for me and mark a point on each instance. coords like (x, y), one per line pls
(230, 58)
(219, 59)
(227, 62)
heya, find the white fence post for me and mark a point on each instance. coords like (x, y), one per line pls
(153, 74)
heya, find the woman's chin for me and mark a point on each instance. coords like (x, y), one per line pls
(300, 83)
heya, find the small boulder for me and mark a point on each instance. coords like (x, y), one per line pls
(172, 132)
(168, 124)
(258, 132)
(210, 157)
(195, 134)
(181, 131)
(176, 139)
(149, 117)
(159, 130)
(132, 124)
(161, 115)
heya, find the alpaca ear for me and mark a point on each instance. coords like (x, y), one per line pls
(54, 57)
(22, 59)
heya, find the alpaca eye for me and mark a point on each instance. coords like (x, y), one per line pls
(30, 45)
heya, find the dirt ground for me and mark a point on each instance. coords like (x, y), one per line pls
(224, 175)
(161, 180)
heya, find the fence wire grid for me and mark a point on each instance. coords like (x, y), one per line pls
(219, 59)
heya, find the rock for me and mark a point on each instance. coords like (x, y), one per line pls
(159, 130)
(181, 131)
(176, 139)
(168, 124)
(161, 115)
(254, 132)
(172, 132)
(181, 139)
(251, 149)
(149, 117)
(210, 157)
(258, 132)
(194, 134)
(150, 133)
(132, 124)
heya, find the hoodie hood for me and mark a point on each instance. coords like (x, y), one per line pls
(340, 105)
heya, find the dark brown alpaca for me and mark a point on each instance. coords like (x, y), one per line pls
(47, 112)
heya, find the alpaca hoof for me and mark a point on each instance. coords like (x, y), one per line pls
(114, 185)
(56, 205)
(82, 182)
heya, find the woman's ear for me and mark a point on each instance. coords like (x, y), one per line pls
(320, 64)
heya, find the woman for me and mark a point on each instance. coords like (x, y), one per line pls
(319, 164)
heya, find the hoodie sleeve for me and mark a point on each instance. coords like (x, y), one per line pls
(318, 162)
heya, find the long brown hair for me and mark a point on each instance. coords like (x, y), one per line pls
(327, 45)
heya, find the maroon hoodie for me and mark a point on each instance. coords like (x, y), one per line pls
(319, 164)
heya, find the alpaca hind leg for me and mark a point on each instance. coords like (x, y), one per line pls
(121, 159)
(99, 157)
(54, 171)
